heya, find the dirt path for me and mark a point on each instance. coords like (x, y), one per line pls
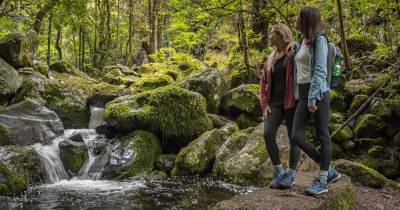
(377, 199)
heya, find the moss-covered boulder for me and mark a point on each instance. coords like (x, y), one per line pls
(337, 117)
(10, 81)
(343, 135)
(379, 108)
(199, 155)
(165, 162)
(242, 99)
(41, 67)
(361, 173)
(14, 49)
(62, 67)
(177, 114)
(28, 122)
(389, 167)
(357, 101)
(218, 120)
(73, 155)
(338, 102)
(357, 43)
(11, 183)
(134, 154)
(357, 86)
(244, 121)
(211, 83)
(367, 124)
(150, 82)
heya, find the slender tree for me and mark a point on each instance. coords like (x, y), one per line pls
(343, 36)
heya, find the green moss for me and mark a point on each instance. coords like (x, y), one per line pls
(357, 43)
(200, 153)
(346, 199)
(388, 167)
(15, 184)
(42, 68)
(170, 110)
(62, 67)
(343, 135)
(337, 117)
(146, 148)
(337, 100)
(113, 77)
(358, 86)
(367, 124)
(379, 108)
(244, 98)
(361, 173)
(151, 81)
(357, 101)
(73, 155)
(5, 135)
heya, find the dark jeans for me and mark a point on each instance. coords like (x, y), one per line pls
(302, 117)
(271, 126)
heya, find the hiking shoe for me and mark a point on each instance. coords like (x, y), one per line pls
(278, 176)
(288, 180)
(318, 187)
(333, 176)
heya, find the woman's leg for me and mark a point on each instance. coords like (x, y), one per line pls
(271, 126)
(294, 153)
(322, 128)
(300, 120)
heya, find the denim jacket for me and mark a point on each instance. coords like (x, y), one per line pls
(319, 72)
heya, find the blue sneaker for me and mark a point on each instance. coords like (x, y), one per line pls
(318, 187)
(278, 176)
(288, 179)
(333, 176)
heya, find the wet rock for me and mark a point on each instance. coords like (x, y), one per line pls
(14, 49)
(367, 124)
(99, 100)
(13, 182)
(10, 81)
(76, 137)
(211, 83)
(165, 162)
(243, 99)
(73, 155)
(28, 122)
(361, 173)
(342, 195)
(133, 155)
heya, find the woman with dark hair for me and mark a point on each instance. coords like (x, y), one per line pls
(277, 98)
(313, 94)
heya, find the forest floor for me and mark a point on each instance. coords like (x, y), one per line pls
(377, 199)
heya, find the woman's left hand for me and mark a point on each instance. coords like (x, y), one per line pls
(312, 108)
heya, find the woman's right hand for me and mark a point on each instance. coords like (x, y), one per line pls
(266, 111)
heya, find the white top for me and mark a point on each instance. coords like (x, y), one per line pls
(302, 64)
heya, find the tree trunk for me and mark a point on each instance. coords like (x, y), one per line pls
(117, 38)
(343, 36)
(154, 25)
(130, 31)
(59, 41)
(41, 14)
(74, 45)
(160, 25)
(108, 24)
(49, 38)
(260, 22)
(243, 39)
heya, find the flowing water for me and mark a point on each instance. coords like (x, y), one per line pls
(87, 191)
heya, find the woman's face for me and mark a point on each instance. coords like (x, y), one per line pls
(275, 39)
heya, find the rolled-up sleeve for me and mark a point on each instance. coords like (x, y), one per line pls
(319, 70)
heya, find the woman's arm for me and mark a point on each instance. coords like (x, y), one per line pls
(319, 70)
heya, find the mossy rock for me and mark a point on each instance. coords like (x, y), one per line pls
(343, 135)
(244, 121)
(394, 104)
(150, 82)
(367, 124)
(357, 87)
(379, 108)
(12, 183)
(62, 67)
(375, 151)
(361, 173)
(218, 120)
(348, 145)
(10, 81)
(15, 49)
(388, 167)
(243, 99)
(177, 114)
(337, 117)
(211, 83)
(338, 103)
(337, 151)
(230, 128)
(199, 155)
(113, 77)
(368, 142)
(5, 135)
(165, 162)
(357, 101)
(151, 68)
(357, 43)
(134, 155)
(41, 67)
(73, 155)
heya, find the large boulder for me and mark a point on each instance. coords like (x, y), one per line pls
(177, 114)
(62, 67)
(243, 158)
(10, 81)
(150, 82)
(199, 155)
(243, 99)
(343, 135)
(342, 195)
(73, 155)
(41, 67)
(211, 83)
(367, 124)
(389, 166)
(28, 122)
(14, 49)
(357, 43)
(361, 173)
(134, 154)
(11, 183)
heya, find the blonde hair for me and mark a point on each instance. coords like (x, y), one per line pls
(284, 31)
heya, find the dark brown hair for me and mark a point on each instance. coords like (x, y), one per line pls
(309, 22)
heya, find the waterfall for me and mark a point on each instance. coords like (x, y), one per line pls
(93, 166)
(96, 116)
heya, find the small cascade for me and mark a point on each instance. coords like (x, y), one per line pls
(96, 117)
(50, 155)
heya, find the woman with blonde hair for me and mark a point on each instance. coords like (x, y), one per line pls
(277, 98)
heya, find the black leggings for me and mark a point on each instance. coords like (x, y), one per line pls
(271, 126)
(302, 117)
